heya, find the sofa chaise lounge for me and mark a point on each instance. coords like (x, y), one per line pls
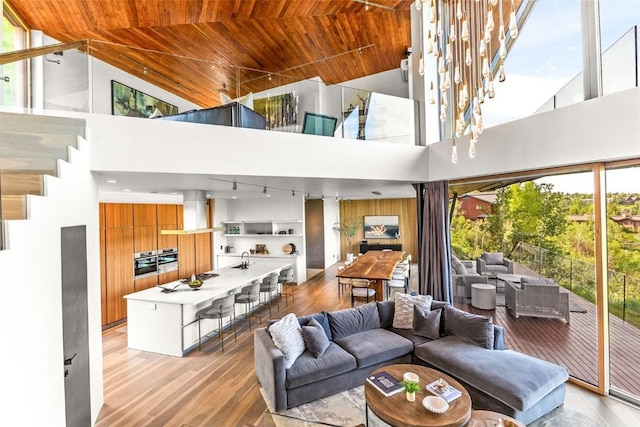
(465, 346)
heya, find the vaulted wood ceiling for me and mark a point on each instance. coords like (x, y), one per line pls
(195, 48)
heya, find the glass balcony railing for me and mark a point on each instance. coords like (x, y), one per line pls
(620, 64)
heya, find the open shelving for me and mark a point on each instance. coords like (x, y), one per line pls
(263, 228)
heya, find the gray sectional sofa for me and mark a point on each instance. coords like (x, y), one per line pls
(467, 347)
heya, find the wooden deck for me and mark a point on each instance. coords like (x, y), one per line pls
(573, 345)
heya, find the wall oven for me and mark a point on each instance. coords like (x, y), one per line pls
(145, 264)
(167, 260)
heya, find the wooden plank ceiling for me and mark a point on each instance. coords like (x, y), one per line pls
(195, 48)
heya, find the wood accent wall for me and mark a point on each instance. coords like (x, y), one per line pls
(406, 209)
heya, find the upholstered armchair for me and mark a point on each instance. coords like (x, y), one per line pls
(492, 263)
(464, 275)
(537, 297)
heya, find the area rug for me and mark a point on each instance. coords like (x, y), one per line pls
(347, 409)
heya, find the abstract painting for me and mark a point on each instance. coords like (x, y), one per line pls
(381, 227)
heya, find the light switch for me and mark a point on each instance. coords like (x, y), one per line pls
(152, 306)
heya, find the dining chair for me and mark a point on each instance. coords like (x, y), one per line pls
(343, 282)
(218, 310)
(249, 295)
(360, 289)
(397, 282)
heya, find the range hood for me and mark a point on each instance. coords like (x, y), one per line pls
(194, 214)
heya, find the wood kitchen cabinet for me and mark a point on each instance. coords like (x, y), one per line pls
(103, 264)
(203, 252)
(117, 215)
(186, 255)
(167, 220)
(119, 271)
(145, 283)
(144, 215)
(145, 239)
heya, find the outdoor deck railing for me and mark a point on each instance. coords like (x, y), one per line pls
(579, 277)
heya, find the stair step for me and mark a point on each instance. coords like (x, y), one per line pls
(36, 124)
(14, 207)
(16, 183)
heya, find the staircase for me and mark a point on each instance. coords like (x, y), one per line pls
(31, 147)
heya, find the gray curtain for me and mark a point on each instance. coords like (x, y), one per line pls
(434, 241)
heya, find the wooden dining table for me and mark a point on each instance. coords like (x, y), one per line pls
(376, 266)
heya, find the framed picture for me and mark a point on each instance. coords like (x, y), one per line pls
(126, 101)
(381, 227)
(279, 110)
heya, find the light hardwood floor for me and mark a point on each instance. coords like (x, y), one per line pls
(215, 388)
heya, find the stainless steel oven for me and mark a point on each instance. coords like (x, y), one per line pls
(167, 260)
(145, 264)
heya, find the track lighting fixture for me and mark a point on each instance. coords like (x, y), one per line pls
(293, 192)
(235, 185)
(264, 190)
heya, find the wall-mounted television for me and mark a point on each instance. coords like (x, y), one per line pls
(319, 124)
(381, 227)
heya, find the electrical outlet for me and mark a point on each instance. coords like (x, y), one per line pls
(152, 306)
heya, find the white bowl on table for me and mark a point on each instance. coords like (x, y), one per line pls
(435, 404)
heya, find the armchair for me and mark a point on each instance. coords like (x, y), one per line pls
(537, 297)
(464, 275)
(492, 263)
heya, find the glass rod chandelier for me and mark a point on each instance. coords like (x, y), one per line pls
(464, 37)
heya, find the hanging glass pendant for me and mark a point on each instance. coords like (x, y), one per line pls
(467, 56)
(418, 4)
(487, 34)
(491, 92)
(482, 51)
(432, 12)
(439, 28)
(454, 152)
(472, 147)
(443, 97)
(449, 54)
(513, 23)
(464, 33)
(447, 79)
(441, 65)
(501, 75)
(421, 65)
(465, 93)
(429, 44)
(452, 33)
(490, 23)
(432, 94)
(480, 94)
(461, 103)
(459, 11)
(493, 2)
(479, 123)
(443, 113)
(456, 74)
(485, 67)
(503, 50)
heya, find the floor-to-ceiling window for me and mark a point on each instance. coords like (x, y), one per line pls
(13, 76)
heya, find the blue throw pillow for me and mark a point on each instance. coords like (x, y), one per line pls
(315, 338)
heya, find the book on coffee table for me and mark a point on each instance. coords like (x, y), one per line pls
(385, 383)
(449, 393)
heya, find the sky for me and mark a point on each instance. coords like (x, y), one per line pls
(545, 57)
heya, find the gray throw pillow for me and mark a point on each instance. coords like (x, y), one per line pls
(471, 327)
(315, 338)
(493, 258)
(458, 266)
(403, 314)
(426, 323)
(353, 320)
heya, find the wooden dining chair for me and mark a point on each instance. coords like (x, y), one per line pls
(360, 289)
(343, 282)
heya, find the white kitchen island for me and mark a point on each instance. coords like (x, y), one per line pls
(165, 322)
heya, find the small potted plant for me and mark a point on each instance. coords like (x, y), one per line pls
(411, 388)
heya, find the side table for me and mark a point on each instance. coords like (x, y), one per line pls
(483, 296)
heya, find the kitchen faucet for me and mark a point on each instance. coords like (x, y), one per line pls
(244, 265)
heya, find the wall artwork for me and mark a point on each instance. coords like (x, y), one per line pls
(126, 101)
(381, 227)
(279, 110)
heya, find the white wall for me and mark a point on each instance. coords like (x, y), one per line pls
(32, 390)
(331, 237)
(601, 129)
(387, 82)
(103, 73)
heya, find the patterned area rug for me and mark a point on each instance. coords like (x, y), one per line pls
(347, 409)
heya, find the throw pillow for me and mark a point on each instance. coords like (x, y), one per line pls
(225, 99)
(426, 323)
(315, 339)
(287, 336)
(471, 327)
(403, 315)
(458, 266)
(353, 320)
(492, 258)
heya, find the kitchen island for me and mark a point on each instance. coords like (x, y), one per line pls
(165, 322)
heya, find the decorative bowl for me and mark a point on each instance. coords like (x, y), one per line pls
(195, 284)
(435, 404)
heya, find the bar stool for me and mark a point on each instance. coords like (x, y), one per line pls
(219, 309)
(286, 279)
(360, 289)
(270, 285)
(248, 295)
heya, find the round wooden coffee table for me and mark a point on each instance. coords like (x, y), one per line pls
(399, 412)
(490, 418)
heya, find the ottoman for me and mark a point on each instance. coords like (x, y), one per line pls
(483, 296)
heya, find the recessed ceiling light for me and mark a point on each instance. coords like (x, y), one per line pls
(234, 197)
(175, 193)
(268, 195)
(208, 195)
(111, 181)
(126, 189)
